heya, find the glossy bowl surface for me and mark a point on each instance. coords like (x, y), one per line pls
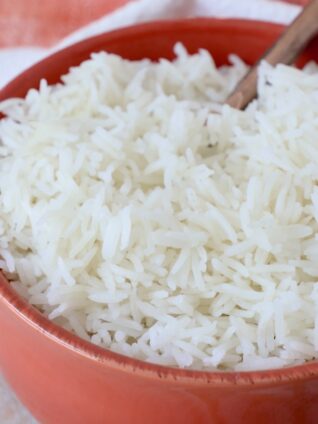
(63, 379)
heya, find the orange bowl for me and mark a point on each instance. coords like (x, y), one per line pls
(64, 379)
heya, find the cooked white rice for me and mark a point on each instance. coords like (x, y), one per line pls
(133, 216)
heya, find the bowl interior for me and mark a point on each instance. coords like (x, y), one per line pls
(248, 39)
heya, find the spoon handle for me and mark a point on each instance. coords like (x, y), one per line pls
(285, 50)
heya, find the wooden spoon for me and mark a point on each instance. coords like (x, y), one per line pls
(285, 50)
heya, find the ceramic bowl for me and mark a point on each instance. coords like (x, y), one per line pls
(65, 380)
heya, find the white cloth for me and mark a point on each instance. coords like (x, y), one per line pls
(15, 60)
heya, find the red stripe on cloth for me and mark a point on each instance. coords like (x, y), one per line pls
(299, 2)
(43, 23)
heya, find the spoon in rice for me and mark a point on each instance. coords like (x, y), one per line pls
(285, 50)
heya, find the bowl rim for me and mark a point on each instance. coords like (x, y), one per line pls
(21, 309)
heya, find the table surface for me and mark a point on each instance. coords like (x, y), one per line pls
(11, 410)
